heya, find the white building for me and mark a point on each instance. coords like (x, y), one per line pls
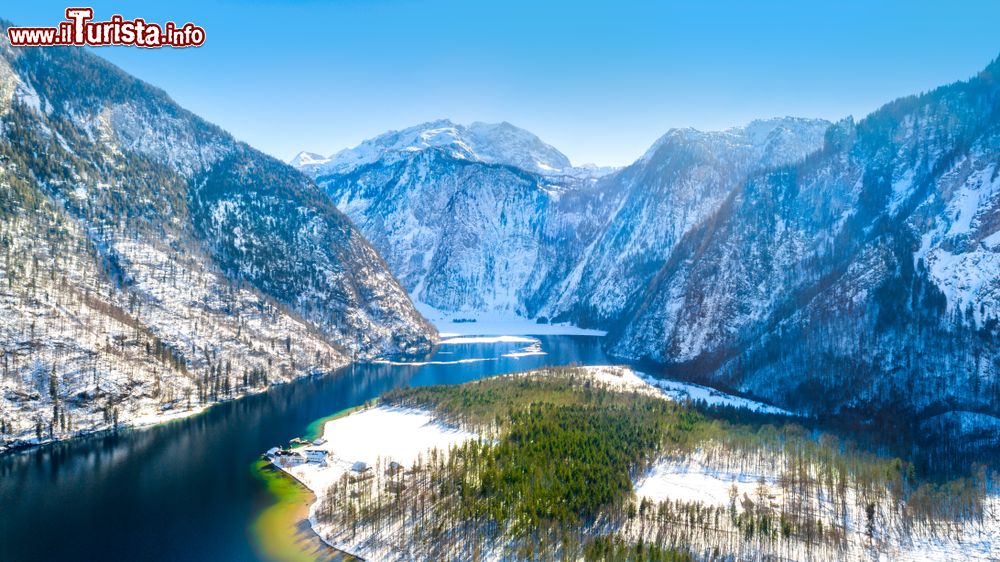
(288, 458)
(316, 455)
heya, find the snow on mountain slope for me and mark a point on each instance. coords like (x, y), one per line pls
(460, 235)
(470, 236)
(681, 180)
(152, 264)
(862, 280)
(304, 158)
(470, 219)
(500, 143)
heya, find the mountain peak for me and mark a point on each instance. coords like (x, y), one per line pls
(794, 136)
(501, 143)
(304, 158)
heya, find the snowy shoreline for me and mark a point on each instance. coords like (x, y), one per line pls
(152, 418)
(478, 323)
(373, 437)
(143, 421)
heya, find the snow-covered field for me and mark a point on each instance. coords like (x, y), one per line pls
(695, 481)
(376, 437)
(495, 324)
(626, 379)
(455, 339)
(422, 363)
(689, 480)
(695, 392)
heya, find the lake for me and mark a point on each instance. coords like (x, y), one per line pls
(186, 490)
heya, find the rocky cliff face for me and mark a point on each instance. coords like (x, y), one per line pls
(154, 264)
(680, 181)
(469, 218)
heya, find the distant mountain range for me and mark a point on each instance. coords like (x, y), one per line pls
(501, 143)
(846, 269)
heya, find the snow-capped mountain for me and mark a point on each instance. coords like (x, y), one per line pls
(675, 185)
(500, 143)
(468, 218)
(152, 264)
(304, 159)
(862, 279)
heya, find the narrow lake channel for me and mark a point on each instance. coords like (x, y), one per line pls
(188, 490)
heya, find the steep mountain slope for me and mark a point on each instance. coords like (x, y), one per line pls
(154, 264)
(863, 280)
(462, 214)
(680, 180)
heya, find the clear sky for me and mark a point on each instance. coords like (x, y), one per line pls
(600, 81)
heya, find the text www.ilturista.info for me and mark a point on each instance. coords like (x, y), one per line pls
(78, 29)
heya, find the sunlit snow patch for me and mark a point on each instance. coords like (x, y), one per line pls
(486, 339)
(683, 391)
(691, 481)
(495, 323)
(625, 379)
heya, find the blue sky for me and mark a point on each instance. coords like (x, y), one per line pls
(600, 81)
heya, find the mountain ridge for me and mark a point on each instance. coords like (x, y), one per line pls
(819, 279)
(500, 143)
(154, 265)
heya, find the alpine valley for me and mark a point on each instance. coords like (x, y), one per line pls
(802, 311)
(849, 270)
